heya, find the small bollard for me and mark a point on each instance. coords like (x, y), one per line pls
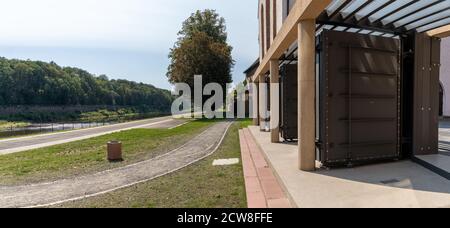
(114, 152)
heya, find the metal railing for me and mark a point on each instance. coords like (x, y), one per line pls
(48, 127)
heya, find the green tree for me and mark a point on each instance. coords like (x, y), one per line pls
(207, 21)
(39, 83)
(202, 49)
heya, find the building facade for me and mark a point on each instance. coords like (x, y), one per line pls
(383, 59)
(271, 15)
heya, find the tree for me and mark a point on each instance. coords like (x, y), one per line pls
(201, 49)
(200, 55)
(39, 83)
(208, 22)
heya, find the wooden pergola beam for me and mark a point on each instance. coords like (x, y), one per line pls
(441, 32)
(302, 10)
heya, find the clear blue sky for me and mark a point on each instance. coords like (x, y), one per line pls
(122, 39)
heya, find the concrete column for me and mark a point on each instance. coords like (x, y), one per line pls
(274, 101)
(255, 103)
(262, 101)
(306, 94)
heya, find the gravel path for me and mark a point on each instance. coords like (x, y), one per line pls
(47, 194)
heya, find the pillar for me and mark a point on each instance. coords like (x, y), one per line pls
(262, 102)
(274, 101)
(306, 94)
(254, 96)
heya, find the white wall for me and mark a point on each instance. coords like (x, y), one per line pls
(445, 74)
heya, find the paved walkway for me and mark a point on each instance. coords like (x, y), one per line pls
(9, 146)
(438, 163)
(444, 137)
(262, 188)
(397, 184)
(47, 194)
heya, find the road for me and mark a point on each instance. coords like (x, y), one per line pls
(15, 145)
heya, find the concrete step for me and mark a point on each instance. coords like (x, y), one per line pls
(263, 189)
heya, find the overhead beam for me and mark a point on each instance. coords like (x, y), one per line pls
(441, 32)
(302, 10)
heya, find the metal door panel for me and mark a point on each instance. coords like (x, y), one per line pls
(434, 90)
(359, 90)
(426, 95)
(426, 91)
(418, 144)
(289, 102)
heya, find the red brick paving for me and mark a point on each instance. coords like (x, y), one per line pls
(262, 188)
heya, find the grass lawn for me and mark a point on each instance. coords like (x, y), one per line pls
(89, 156)
(6, 125)
(200, 185)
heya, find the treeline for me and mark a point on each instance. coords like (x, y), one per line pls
(40, 83)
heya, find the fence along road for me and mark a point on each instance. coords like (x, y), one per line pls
(15, 145)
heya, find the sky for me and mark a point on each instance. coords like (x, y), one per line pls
(123, 39)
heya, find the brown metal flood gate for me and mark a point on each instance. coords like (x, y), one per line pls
(289, 102)
(426, 95)
(359, 98)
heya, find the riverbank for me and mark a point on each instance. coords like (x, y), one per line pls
(6, 125)
(52, 114)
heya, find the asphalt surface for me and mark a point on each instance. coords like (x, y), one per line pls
(16, 145)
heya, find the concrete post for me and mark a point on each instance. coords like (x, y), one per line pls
(306, 94)
(274, 101)
(262, 102)
(255, 103)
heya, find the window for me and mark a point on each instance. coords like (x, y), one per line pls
(274, 15)
(262, 31)
(267, 24)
